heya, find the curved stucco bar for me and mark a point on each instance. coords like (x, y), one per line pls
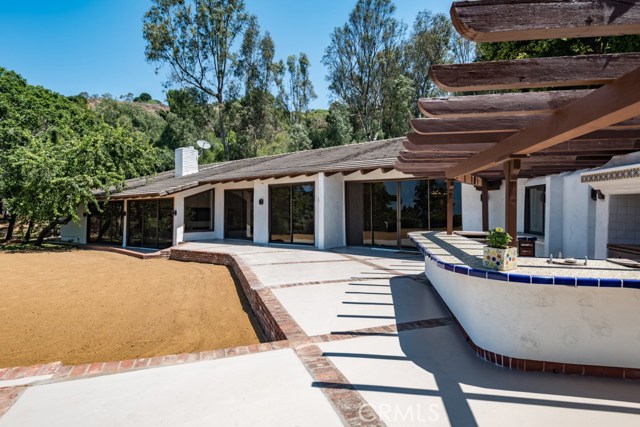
(572, 319)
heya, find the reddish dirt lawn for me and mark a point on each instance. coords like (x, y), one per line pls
(87, 306)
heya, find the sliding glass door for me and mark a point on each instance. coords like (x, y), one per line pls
(383, 213)
(150, 223)
(106, 227)
(238, 215)
(292, 214)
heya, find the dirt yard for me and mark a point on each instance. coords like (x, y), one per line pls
(85, 306)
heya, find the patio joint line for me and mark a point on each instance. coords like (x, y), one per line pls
(9, 396)
(349, 404)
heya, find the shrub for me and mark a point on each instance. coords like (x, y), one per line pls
(498, 238)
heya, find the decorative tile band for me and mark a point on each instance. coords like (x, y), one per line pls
(526, 278)
(611, 175)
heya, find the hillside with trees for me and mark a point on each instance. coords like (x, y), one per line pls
(55, 152)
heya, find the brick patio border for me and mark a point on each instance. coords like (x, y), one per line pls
(164, 254)
(528, 365)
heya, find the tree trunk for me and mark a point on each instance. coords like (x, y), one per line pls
(223, 135)
(48, 228)
(12, 224)
(27, 235)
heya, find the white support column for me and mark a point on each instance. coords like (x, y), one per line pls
(602, 227)
(125, 226)
(178, 219)
(321, 200)
(330, 211)
(261, 212)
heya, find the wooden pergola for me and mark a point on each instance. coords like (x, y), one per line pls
(484, 139)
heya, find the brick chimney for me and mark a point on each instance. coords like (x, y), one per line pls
(186, 161)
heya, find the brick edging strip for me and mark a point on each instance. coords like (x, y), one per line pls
(123, 251)
(346, 400)
(529, 365)
(9, 396)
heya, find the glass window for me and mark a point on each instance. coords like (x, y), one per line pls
(106, 223)
(385, 213)
(198, 212)
(414, 213)
(534, 206)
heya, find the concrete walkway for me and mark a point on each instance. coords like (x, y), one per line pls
(380, 349)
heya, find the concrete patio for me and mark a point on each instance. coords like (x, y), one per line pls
(378, 348)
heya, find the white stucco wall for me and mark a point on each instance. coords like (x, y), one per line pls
(578, 216)
(472, 207)
(573, 221)
(75, 232)
(581, 325)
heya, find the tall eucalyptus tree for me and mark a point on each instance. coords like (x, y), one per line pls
(196, 40)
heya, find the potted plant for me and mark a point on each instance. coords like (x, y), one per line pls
(497, 254)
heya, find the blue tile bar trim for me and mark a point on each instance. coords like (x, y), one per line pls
(519, 278)
(610, 283)
(582, 281)
(525, 278)
(478, 273)
(542, 280)
(498, 275)
(462, 269)
(630, 283)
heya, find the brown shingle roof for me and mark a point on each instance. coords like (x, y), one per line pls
(363, 156)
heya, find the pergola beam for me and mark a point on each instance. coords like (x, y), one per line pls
(451, 129)
(573, 147)
(563, 71)
(509, 20)
(612, 133)
(506, 104)
(614, 103)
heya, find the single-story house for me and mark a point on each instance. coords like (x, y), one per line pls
(351, 195)
(329, 197)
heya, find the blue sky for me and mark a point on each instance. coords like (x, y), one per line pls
(96, 46)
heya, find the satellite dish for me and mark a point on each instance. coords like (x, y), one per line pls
(203, 144)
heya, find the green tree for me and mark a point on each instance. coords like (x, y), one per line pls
(299, 138)
(54, 153)
(295, 89)
(399, 106)
(364, 54)
(195, 39)
(143, 97)
(557, 47)
(256, 120)
(339, 129)
(464, 51)
(428, 44)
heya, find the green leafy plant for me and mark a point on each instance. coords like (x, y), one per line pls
(498, 238)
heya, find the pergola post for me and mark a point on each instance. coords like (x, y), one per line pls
(450, 206)
(485, 205)
(511, 171)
